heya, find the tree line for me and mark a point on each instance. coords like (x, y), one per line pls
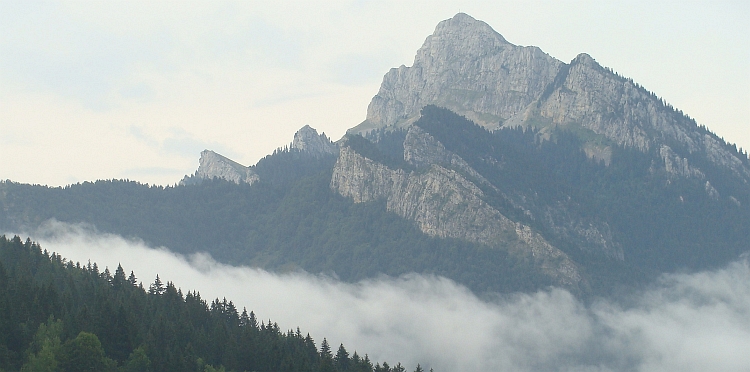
(56, 315)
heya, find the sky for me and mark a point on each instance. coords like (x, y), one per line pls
(135, 90)
(683, 322)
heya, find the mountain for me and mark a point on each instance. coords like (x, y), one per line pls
(492, 164)
(469, 68)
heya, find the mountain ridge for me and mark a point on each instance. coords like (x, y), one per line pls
(499, 84)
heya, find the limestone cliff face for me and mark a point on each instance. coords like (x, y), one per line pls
(616, 108)
(445, 204)
(213, 165)
(677, 165)
(467, 67)
(422, 150)
(308, 140)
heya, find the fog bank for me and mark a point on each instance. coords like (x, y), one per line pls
(686, 322)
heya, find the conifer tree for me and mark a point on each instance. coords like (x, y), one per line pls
(157, 287)
(326, 358)
(341, 360)
(119, 279)
(132, 279)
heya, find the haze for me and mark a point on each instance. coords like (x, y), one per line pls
(101, 90)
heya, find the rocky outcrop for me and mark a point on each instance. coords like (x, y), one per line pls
(467, 67)
(422, 150)
(443, 203)
(308, 140)
(587, 95)
(213, 165)
(677, 165)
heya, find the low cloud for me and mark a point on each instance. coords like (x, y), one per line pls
(685, 322)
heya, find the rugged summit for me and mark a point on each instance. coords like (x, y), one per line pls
(469, 68)
(213, 165)
(308, 140)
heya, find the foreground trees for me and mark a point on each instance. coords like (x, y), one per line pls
(56, 315)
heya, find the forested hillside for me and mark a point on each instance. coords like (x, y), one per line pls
(283, 222)
(63, 316)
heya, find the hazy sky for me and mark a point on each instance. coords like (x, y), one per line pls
(100, 90)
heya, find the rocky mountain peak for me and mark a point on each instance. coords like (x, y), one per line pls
(213, 165)
(308, 140)
(584, 59)
(467, 67)
(461, 36)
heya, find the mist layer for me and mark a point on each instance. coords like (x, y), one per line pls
(686, 322)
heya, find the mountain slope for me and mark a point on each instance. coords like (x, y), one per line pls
(445, 204)
(546, 201)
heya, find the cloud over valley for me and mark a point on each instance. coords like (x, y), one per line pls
(686, 322)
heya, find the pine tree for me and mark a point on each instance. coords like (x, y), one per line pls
(341, 360)
(325, 350)
(244, 318)
(132, 279)
(157, 287)
(119, 279)
(253, 321)
(326, 358)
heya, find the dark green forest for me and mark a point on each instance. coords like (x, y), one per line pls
(56, 315)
